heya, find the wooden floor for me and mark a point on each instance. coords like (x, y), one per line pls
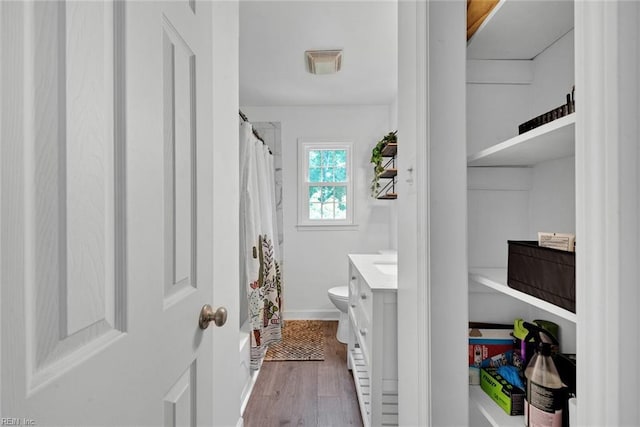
(306, 393)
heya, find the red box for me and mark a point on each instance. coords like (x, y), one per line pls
(485, 343)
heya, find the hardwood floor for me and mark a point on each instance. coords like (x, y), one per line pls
(306, 393)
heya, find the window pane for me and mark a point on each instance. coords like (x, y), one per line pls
(315, 175)
(315, 210)
(327, 211)
(327, 166)
(327, 157)
(341, 198)
(327, 193)
(315, 194)
(314, 158)
(341, 211)
(328, 175)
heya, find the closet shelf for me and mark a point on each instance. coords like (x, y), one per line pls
(491, 411)
(553, 140)
(520, 29)
(496, 279)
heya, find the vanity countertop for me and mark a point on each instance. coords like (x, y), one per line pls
(371, 267)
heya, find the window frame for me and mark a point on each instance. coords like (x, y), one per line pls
(304, 147)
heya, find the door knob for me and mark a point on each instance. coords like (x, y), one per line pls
(207, 315)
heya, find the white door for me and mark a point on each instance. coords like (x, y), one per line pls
(107, 213)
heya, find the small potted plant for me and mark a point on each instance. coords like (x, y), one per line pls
(376, 159)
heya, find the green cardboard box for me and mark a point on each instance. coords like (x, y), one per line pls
(509, 397)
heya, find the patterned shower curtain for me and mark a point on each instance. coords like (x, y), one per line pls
(259, 243)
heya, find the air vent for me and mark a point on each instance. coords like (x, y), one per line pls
(324, 61)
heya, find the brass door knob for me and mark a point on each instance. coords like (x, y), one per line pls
(207, 315)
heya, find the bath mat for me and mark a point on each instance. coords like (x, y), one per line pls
(301, 340)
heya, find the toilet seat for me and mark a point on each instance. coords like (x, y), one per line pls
(341, 292)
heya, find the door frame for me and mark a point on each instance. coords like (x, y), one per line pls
(226, 103)
(607, 205)
(607, 202)
(432, 211)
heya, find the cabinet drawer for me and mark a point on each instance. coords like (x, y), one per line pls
(364, 333)
(354, 287)
(361, 331)
(365, 300)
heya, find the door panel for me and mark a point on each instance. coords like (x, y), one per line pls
(180, 163)
(107, 211)
(179, 403)
(73, 236)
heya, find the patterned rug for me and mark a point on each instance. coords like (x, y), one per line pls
(301, 340)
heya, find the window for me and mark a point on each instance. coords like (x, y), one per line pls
(325, 185)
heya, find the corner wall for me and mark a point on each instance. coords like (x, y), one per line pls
(317, 260)
(393, 214)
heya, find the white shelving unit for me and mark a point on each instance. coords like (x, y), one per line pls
(492, 412)
(517, 30)
(554, 140)
(496, 279)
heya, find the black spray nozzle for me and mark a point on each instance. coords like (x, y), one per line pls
(538, 334)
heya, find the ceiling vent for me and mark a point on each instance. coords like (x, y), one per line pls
(324, 61)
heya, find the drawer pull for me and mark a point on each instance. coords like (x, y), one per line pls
(363, 332)
(353, 305)
(353, 277)
(363, 296)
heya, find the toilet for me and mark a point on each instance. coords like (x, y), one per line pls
(339, 296)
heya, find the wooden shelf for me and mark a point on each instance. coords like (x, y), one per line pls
(390, 150)
(554, 140)
(521, 29)
(389, 173)
(387, 192)
(388, 196)
(491, 411)
(496, 279)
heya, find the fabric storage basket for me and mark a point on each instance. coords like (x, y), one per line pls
(544, 273)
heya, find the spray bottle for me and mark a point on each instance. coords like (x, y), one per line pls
(545, 391)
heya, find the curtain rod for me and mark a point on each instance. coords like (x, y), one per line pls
(255, 133)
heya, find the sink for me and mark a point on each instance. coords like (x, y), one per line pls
(387, 268)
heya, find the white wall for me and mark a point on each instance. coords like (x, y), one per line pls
(317, 260)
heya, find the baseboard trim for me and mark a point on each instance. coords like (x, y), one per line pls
(248, 389)
(327, 314)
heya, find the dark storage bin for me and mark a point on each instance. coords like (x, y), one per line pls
(544, 273)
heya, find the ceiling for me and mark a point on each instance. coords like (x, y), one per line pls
(275, 34)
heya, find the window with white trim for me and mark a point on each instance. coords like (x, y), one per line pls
(325, 183)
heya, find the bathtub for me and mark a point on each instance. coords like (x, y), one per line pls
(247, 376)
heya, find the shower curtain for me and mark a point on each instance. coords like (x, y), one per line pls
(260, 254)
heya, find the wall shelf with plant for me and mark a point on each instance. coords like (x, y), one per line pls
(386, 148)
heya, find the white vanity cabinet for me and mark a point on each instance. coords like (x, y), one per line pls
(372, 352)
